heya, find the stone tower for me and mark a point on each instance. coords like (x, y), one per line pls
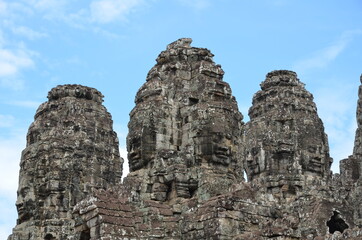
(185, 128)
(71, 151)
(286, 146)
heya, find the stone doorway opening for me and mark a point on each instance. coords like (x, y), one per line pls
(336, 223)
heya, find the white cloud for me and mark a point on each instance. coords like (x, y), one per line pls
(123, 153)
(122, 132)
(11, 10)
(3, 7)
(5, 229)
(28, 33)
(325, 56)
(341, 145)
(26, 104)
(8, 215)
(196, 4)
(107, 34)
(10, 152)
(11, 61)
(52, 9)
(337, 112)
(48, 4)
(2, 38)
(106, 11)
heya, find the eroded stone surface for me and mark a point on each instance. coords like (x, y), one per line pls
(285, 140)
(185, 130)
(71, 150)
(187, 149)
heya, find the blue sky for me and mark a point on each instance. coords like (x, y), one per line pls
(111, 45)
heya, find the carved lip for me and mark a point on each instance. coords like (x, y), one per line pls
(21, 210)
(134, 156)
(222, 154)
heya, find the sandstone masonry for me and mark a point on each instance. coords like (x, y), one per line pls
(188, 149)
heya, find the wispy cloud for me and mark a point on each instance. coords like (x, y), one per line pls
(93, 15)
(123, 153)
(12, 63)
(339, 120)
(196, 4)
(3, 7)
(106, 11)
(105, 33)
(324, 57)
(122, 132)
(14, 58)
(26, 104)
(51, 9)
(10, 152)
(28, 33)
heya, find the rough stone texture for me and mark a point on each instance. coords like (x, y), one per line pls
(188, 149)
(287, 148)
(71, 150)
(185, 130)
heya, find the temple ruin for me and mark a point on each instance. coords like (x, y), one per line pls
(188, 149)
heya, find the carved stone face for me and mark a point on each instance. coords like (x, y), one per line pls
(141, 149)
(215, 148)
(135, 153)
(270, 148)
(221, 148)
(314, 160)
(255, 161)
(25, 202)
(314, 151)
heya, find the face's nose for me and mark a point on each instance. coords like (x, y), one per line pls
(20, 199)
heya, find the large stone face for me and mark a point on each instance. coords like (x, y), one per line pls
(285, 140)
(185, 128)
(71, 150)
